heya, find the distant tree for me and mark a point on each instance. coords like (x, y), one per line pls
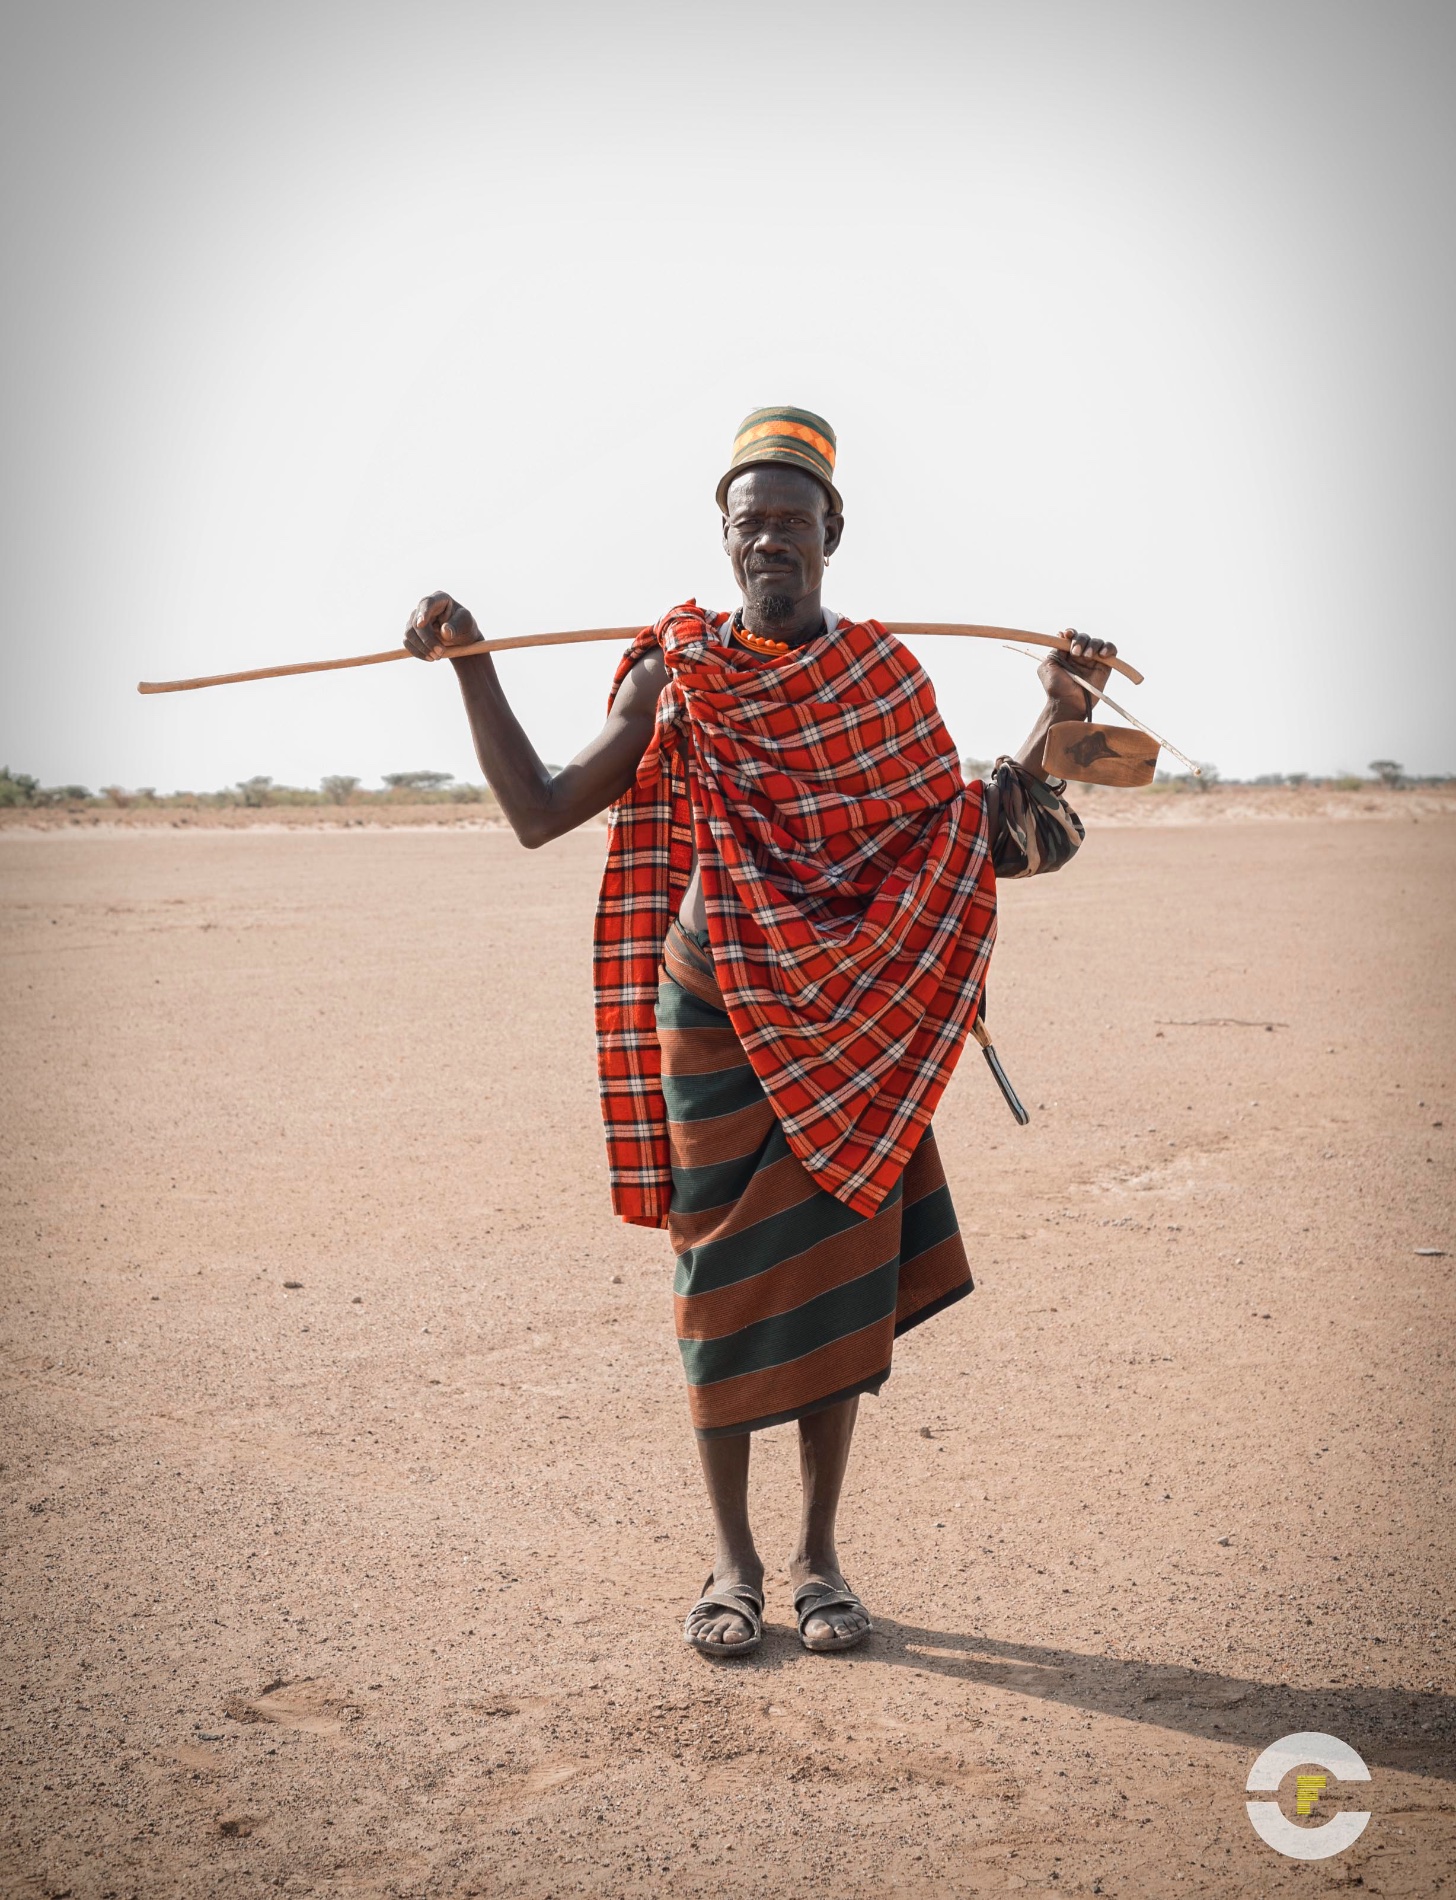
(1203, 783)
(1388, 771)
(417, 781)
(1296, 779)
(256, 791)
(116, 794)
(339, 789)
(1268, 778)
(18, 788)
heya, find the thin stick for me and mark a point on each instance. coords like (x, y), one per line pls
(623, 634)
(1057, 641)
(1131, 718)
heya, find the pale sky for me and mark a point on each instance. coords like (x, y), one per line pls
(1136, 317)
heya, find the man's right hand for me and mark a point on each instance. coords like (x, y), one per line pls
(438, 624)
(540, 804)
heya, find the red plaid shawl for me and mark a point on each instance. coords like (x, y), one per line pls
(850, 898)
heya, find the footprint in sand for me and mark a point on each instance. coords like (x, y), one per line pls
(311, 1704)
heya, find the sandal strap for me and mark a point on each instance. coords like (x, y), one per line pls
(811, 1598)
(740, 1599)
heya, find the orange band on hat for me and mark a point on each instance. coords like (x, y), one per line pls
(812, 436)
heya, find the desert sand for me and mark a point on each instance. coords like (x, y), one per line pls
(351, 1511)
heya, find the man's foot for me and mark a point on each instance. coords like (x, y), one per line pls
(727, 1620)
(830, 1615)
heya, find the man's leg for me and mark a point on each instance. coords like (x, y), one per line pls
(735, 1560)
(824, 1441)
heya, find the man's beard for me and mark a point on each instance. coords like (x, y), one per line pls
(769, 610)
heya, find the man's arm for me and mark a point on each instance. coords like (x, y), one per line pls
(1061, 674)
(538, 805)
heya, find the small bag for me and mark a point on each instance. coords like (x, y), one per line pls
(1100, 755)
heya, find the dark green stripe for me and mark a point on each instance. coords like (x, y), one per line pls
(936, 1306)
(678, 1008)
(719, 1263)
(698, 1098)
(871, 1384)
(786, 1336)
(804, 416)
(717, 1183)
(927, 1222)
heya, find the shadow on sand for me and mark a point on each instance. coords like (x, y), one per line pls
(1411, 1730)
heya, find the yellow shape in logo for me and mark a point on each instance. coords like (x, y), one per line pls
(1308, 1789)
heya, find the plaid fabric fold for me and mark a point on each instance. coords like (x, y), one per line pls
(849, 892)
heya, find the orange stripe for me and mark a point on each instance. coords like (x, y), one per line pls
(700, 1051)
(833, 1262)
(930, 1276)
(773, 1190)
(924, 1171)
(689, 977)
(761, 429)
(731, 1137)
(780, 1388)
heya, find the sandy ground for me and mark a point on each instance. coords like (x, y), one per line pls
(371, 1584)
(1103, 806)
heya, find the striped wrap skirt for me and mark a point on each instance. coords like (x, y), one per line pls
(785, 1300)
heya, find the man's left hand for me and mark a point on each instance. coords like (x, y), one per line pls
(1062, 673)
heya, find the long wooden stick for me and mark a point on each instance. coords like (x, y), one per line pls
(1057, 641)
(622, 634)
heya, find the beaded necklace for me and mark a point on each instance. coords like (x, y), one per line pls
(758, 642)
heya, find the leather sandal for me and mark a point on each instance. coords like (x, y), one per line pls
(812, 1599)
(743, 1600)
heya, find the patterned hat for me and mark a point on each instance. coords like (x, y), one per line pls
(796, 437)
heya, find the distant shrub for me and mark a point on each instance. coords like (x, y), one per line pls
(467, 794)
(1202, 781)
(256, 791)
(339, 789)
(417, 781)
(1388, 771)
(18, 788)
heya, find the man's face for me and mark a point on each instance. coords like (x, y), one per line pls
(779, 531)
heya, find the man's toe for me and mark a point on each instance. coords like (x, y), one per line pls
(726, 1628)
(835, 1625)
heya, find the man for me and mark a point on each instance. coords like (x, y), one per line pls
(791, 946)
